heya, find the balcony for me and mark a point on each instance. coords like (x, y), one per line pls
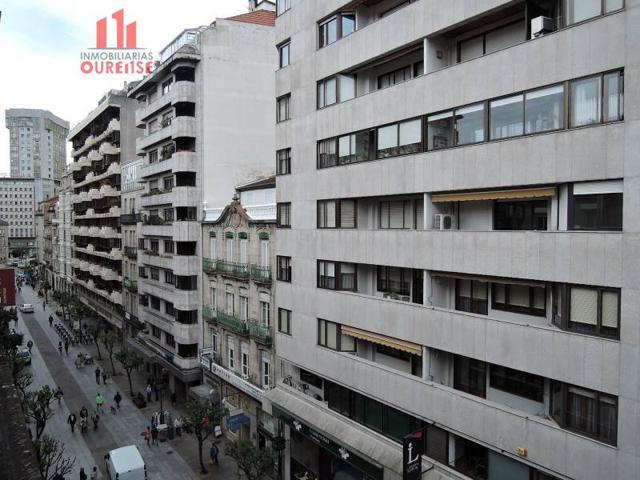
(209, 313)
(232, 269)
(181, 91)
(260, 333)
(130, 285)
(131, 252)
(261, 274)
(231, 322)
(181, 161)
(182, 126)
(130, 218)
(209, 265)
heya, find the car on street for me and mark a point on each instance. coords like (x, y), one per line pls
(26, 308)
(23, 356)
(125, 463)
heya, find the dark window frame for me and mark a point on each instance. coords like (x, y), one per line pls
(287, 114)
(283, 215)
(465, 383)
(601, 227)
(281, 329)
(283, 161)
(320, 221)
(323, 323)
(283, 264)
(323, 37)
(507, 307)
(383, 284)
(484, 39)
(517, 382)
(404, 149)
(323, 279)
(601, 75)
(475, 307)
(282, 47)
(567, 324)
(530, 204)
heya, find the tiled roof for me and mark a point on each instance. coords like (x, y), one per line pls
(269, 182)
(259, 17)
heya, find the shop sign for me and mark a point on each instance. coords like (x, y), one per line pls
(412, 456)
(241, 384)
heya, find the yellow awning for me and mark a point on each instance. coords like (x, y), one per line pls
(495, 195)
(413, 348)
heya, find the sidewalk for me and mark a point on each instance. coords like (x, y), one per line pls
(185, 446)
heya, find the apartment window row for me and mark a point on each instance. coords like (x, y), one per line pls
(335, 27)
(337, 214)
(337, 275)
(400, 75)
(283, 161)
(591, 100)
(243, 252)
(336, 89)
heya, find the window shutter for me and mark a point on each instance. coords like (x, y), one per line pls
(264, 253)
(348, 214)
(396, 214)
(331, 214)
(263, 236)
(228, 234)
(243, 250)
(610, 309)
(584, 305)
(419, 215)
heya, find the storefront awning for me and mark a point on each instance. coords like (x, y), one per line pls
(390, 342)
(495, 195)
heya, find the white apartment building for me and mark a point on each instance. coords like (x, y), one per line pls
(63, 216)
(17, 208)
(459, 258)
(38, 148)
(100, 143)
(206, 112)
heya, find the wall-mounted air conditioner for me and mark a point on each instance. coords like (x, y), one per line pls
(442, 221)
(540, 26)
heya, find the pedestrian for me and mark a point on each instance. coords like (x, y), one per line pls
(66, 347)
(148, 391)
(147, 436)
(44, 304)
(117, 399)
(213, 452)
(173, 399)
(95, 418)
(99, 402)
(84, 412)
(51, 320)
(71, 420)
(29, 345)
(154, 435)
(94, 474)
(58, 394)
(83, 476)
(104, 377)
(97, 372)
(177, 425)
(60, 347)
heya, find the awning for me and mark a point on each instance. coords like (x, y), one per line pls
(502, 280)
(412, 348)
(495, 195)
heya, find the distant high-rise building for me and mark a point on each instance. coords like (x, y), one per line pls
(37, 144)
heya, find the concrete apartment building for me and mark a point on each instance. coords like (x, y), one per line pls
(100, 142)
(47, 239)
(238, 308)
(17, 208)
(63, 271)
(206, 112)
(462, 187)
(4, 241)
(38, 148)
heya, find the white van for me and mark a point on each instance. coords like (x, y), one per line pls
(125, 463)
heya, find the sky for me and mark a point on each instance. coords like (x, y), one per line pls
(41, 42)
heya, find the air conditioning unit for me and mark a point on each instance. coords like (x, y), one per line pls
(540, 26)
(442, 221)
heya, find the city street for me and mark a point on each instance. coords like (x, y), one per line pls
(173, 459)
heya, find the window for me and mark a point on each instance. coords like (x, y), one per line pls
(214, 341)
(520, 214)
(337, 214)
(400, 138)
(394, 280)
(282, 110)
(397, 214)
(283, 215)
(155, 273)
(155, 331)
(585, 411)
(169, 340)
(517, 383)
(506, 117)
(153, 156)
(400, 75)
(244, 362)
(266, 371)
(232, 354)
(283, 54)
(244, 308)
(229, 249)
(169, 277)
(471, 296)
(169, 246)
(596, 206)
(213, 251)
(594, 310)
(579, 10)
(265, 314)
(155, 302)
(353, 148)
(338, 26)
(167, 183)
(544, 109)
(336, 89)
(284, 268)
(282, 6)
(212, 296)
(152, 126)
(327, 153)
(470, 124)
(469, 376)
(230, 307)
(166, 86)
(330, 336)
(491, 41)
(519, 299)
(283, 161)
(336, 275)
(284, 321)
(265, 260)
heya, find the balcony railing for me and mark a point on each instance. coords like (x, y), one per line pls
(260, 333)
(260, 274)
(223, 267)
(130, 285)
(231, 322)
(131, 252)
(130, 218)
(209, 313)
(209, 265)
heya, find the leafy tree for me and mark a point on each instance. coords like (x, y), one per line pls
(51, 459)
(96, 332)
(110, 338)
(65, 300)
(252, 462)
(36, 406)
(203, 416)
(130, 361)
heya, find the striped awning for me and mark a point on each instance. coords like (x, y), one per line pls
(495, 195)
(390, 342)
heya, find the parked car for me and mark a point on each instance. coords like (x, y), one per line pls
(125, 463)
(26, 308)
(23, 356)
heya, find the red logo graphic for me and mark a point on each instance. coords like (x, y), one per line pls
(101, 32)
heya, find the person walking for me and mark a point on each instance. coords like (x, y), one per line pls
(66, 347)
(94, 474)
(99, 402)
(60, 347)
(30, 345)
(154, 435)
(117, 399)
(44, 304)
(177, 425)
(51, 320)
(95, 418)
(58, 394)
(97, 372)
(71, 420)
(104, 376)
(213, 452)
(147, 436)
(83, 475)
(148, 391)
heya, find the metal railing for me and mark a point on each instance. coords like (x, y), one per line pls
(260, 333)
(209, 313)
(231, 322)
(260, 274)
(131, 252)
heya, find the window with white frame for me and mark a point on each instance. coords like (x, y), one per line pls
(244, 308)
(231, 361)
(244, 359)
(229, 245)
(212, 248)
(212, 292)
(229, 303)
(264, 313)
(264, 253)
(266, 370)
(214, 341)
(244, 246)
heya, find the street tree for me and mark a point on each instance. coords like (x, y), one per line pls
(36, 406)
(110, 339)
(95, 331)
(65, 300)
(202, 416)
(254, 463)
(51, 460)
(130, 361)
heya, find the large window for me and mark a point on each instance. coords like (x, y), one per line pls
(594, 310)
(400, 75)
(284, 268)
(470, 124)
(517, 383)
(327, 153)
(337, 214)
(596, 99)
(596, 206)
(283, 215)
(578, 10)
(283, 161)
(282, 110)
(284, 321)
(336, 89)
(394, 280)
(471, 296)
(491, 41)
(338, 26)
(353, 148)
(398, 214)
(330, 335)
(470, 376)
(520, 214)
(519, 298)
(506, 117)
(400, 138)
(336, 275)
(544, 109)
(585, 411)
(284, 50)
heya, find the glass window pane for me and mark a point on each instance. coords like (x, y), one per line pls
(544, 109)
(347, 87)
(581, 410)
(610, 309)
(480, 290)
(321, 101)
(344, 146)
(611, 212)
(585, 101)
(579, 10)
(347, 343)
(472, 48)
(373, 414)
(504, 37)
(499, 293)
(440, 131)
(330, 91)
(506, 117)
(539, 298)
(607, 418)
(584, 305)
(332, 335)
(470, 124)
(332, 30)
(387, 137)
(612, 5)
(331, 214)
(410, 132)
(612, 99)
(323, 333)
(348, 24)
(519, 295)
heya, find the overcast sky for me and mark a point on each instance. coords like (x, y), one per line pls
(41, 42)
